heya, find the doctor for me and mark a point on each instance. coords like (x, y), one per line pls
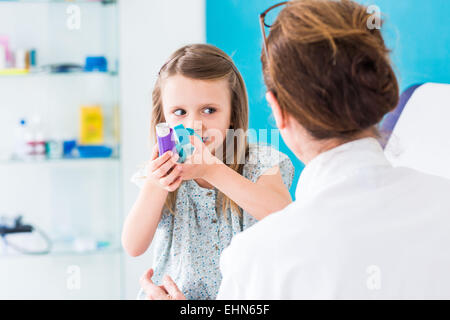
(359, 228)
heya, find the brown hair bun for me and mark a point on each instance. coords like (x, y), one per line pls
(328, 69)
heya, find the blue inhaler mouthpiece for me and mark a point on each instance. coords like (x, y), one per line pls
(184, 146)
(179, 135)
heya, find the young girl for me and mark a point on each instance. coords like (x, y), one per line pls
(192, 210)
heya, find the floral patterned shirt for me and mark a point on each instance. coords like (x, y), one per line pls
(188, 244)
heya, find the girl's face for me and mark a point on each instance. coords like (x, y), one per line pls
(203, 105)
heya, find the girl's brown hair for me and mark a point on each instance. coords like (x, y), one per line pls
(206, 62)
(328, 69)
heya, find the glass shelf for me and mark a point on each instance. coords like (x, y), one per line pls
(59, 160)
(17, 74)
(67, 249)
(14, 244)
(63, 249)
(104, 2)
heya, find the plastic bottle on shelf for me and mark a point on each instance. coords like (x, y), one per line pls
(2, 57)
(39, 139)
(39, 145)
(54, 147)
(21, 134)
(4, 51)
(29, 144)
(35, 140)
(20, 59)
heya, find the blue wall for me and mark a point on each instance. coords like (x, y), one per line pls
(417, 31)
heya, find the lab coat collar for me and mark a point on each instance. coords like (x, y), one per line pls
(337, 163)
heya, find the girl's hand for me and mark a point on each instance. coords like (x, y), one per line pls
(168, 291)
(197, 165)
(164, 171)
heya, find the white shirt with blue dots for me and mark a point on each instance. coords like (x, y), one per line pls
(188, 244)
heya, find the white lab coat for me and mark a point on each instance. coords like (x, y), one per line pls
(359, 229)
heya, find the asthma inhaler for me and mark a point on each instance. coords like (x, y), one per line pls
(166, 140)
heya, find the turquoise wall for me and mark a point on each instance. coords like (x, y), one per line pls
(417, 31)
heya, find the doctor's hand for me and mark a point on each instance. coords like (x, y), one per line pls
(199, 163)
(167, 291)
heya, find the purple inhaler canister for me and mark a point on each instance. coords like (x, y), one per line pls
(166, 140)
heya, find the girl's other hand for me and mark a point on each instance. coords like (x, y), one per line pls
(196, 165)
(168, 291)
(164, 171)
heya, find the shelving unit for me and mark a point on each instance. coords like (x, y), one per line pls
(60, 74)
(61, 161)
(103, 2)
(69, 198)
(68, 250)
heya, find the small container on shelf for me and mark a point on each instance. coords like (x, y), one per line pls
(93, 151)
(4, 47)
(35, 140)
(20, 59)
(21, 134)
(91, 125)
(2, 57)
(54, 148)
(69, 148)
(96, 63)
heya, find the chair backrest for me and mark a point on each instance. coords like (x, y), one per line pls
(420, 129)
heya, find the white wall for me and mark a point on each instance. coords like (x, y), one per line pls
(149, 32)
(63, 198)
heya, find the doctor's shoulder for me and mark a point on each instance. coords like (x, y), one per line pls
(429, 185)
(264, 236)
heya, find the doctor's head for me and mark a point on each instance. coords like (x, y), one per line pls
(328, 74)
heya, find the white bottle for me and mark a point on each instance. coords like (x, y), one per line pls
(20, 59)
(39, 145)
(2, 57)
(20, 142)
(36, 140)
